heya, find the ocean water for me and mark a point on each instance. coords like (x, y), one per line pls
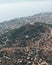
(22, 9)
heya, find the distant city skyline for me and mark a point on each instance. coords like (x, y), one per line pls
(10, 9)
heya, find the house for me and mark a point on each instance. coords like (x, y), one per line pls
(29, 63)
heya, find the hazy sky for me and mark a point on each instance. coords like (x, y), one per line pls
(10, 9)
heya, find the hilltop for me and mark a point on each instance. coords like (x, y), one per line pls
(18, 22)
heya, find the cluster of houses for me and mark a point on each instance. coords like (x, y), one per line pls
(22, 57)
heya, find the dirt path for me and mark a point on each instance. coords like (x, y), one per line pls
(50, 31)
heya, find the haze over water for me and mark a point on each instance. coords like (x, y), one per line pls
(10, 9)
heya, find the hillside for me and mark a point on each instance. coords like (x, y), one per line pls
(18, 22)
(30, 31)
(28, 37)
(27, 40)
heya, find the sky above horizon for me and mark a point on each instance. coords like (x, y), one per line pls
(10, 9)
